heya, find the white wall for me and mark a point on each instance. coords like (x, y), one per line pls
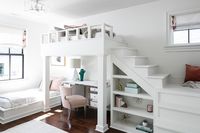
(144, 27)
(32, 56)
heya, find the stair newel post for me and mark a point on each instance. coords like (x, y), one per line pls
(46, 82)
(102, 125)
(89, 32)
(103, 27)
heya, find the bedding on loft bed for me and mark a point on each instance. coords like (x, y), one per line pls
(23, 97)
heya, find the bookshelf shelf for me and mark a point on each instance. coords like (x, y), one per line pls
(134, 111)
(126, 126)
(140, 95)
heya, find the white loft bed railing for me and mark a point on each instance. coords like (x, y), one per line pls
(80, 33)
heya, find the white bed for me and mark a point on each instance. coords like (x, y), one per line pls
(15, 105)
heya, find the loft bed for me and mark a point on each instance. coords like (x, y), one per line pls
(85, 40)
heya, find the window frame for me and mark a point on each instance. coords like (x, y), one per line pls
(170, 46)
(9, 54)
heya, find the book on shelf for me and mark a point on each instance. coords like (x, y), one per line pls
(132, 90)
(148, 128)
(132, 85)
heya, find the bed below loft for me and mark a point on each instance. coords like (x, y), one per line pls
(15, 105)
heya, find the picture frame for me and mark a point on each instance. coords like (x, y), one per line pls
(58, 61)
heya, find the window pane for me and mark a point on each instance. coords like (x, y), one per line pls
(16, 67)
(15, 50)
(4, 67)
(195, 35)
(4, 50)
(180, 37)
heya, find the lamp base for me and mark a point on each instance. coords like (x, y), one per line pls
(75, 76)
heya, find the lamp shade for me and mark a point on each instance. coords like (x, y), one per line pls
(75, 63)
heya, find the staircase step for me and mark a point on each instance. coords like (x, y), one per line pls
(122, 47)
(136, 60)
(158, 76)
(146, 70)
(124, 51)
(145, 66)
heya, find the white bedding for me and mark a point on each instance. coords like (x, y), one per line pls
(14, 99)
(18, 98)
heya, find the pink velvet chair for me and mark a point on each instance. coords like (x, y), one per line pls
(70, 101)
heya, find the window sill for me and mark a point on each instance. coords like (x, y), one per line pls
(182, 48)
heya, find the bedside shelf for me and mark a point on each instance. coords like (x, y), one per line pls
(140, 95)
(134, 111)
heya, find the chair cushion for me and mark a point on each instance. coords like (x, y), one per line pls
(76, 101)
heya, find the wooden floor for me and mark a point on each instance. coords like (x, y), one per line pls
(57, 117)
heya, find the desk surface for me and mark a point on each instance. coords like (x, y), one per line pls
(86, 83)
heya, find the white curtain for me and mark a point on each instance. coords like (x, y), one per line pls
(187, 21)
(10, 36)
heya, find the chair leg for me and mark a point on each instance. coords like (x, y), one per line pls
(85, 109)
(68, 118)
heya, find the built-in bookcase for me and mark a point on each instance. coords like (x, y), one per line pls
(127, 118)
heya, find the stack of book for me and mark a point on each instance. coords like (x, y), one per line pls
(147, 128)
(132, 88)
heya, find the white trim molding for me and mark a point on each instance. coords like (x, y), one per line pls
(182, 48)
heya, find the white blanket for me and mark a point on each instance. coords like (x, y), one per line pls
(34, 127)
(14, 99)
(192, 84)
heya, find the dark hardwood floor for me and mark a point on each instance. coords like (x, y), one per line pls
(57, 117)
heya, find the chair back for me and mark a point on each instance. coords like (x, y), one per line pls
(65, 90)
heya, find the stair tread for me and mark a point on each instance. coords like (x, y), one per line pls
(145, 66)
(135, 57)
(122, 47)
(158, 76)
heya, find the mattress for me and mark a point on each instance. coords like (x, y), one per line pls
(18, 98)
(24, 97)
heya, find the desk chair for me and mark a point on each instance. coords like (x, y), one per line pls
(70, 101)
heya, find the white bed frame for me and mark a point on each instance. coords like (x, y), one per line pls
(8, 115)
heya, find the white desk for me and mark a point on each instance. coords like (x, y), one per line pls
(85, 83)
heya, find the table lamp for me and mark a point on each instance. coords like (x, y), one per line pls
(75, 63)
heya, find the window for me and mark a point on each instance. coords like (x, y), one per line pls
(184, 28)
(12, 41)
(11, 63)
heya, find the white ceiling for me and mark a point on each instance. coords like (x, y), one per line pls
(69, 9)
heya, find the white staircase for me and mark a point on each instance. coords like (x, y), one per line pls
(175, 110)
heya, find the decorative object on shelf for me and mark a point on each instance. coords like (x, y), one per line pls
(81, 73)
(75, 63)
(150, 108)
(34, 5)
(145, 126)
(119, 102)
(1, 69)
(58, 61)
(120, 86)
